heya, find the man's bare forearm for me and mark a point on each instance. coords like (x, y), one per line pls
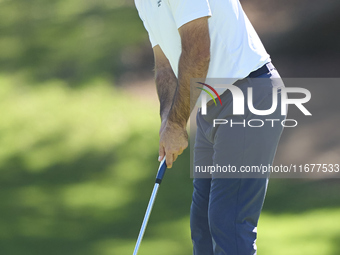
(191, 65)
(166, 83)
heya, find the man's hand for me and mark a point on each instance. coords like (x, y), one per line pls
(175, 98)
(173, 141)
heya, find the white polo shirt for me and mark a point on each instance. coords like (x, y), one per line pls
(235, 50)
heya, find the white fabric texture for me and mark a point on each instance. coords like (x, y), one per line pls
(235, 50)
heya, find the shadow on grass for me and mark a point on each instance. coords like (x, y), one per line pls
(49, 225)
(37, 218)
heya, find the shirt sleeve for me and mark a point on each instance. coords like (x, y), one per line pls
(185, 11)
(151, 36)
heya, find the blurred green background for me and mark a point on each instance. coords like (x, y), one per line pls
(79, 132)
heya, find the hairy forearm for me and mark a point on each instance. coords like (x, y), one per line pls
(192, 64)
(166, 83)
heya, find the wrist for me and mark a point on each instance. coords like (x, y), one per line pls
(177, 124)
(164, 114)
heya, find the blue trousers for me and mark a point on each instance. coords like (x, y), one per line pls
(225, 211)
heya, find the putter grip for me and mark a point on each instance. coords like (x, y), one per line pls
(161, 171)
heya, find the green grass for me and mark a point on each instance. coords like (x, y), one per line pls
(313, 232)
(77, 168)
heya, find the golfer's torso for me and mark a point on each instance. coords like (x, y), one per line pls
(236, 49)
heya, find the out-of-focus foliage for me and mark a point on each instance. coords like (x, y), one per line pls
(72, 40)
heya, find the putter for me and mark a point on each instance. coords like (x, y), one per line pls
(159, 177)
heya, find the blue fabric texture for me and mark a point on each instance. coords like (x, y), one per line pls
(225, 211)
